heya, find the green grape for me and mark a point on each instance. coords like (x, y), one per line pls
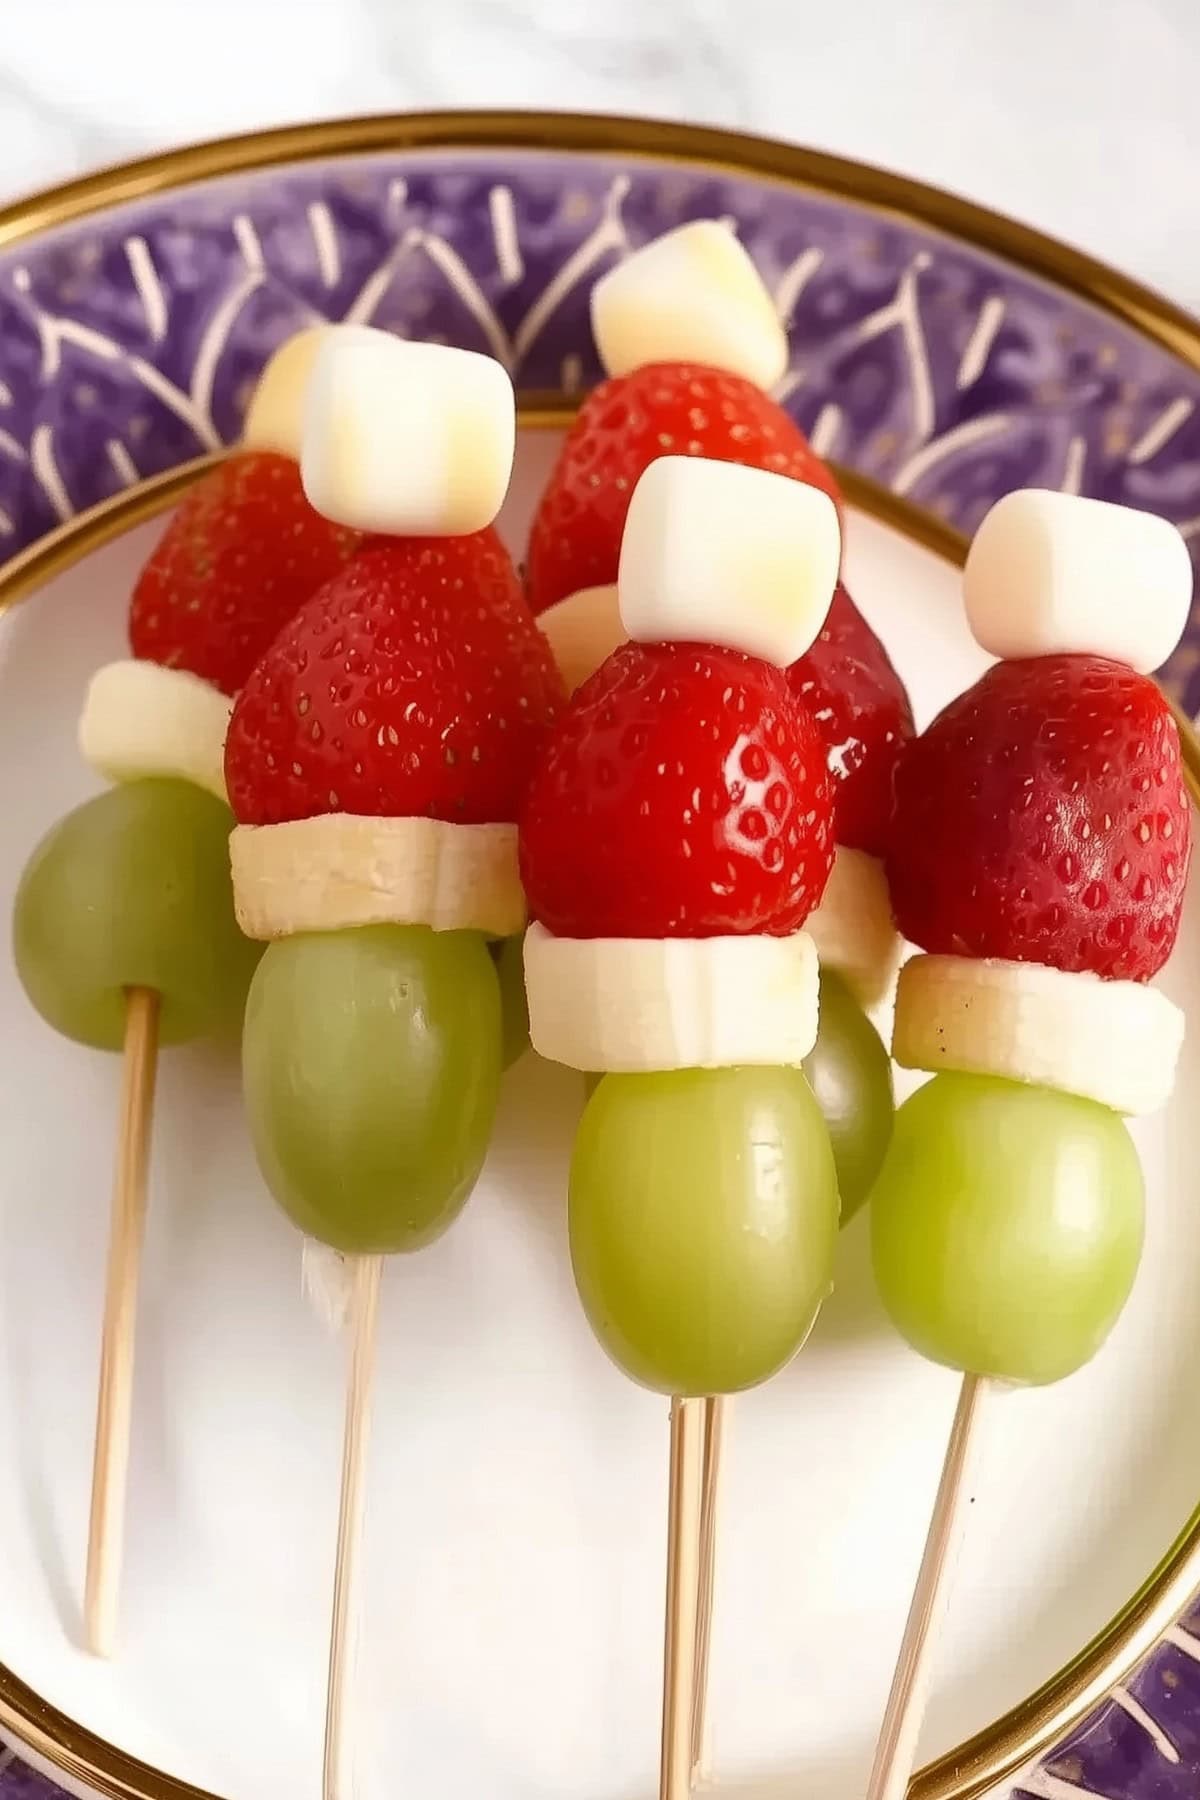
(371, 1062)
(508, 954)
(703, 1213)
(850, 1074)
(132, 889)
(1006, 1226)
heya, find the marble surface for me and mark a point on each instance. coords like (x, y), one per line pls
(1081, 120)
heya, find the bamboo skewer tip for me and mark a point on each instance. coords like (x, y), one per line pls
(683, 1573)
(896, 1751)
(114, 1403)
(337, 1782)
(716, 1409)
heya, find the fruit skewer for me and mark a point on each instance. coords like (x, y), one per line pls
(376, 759)
(695, 293)
(848, 683)
(690, 339)
(676, 835)
(123, 925)
(1039, 852)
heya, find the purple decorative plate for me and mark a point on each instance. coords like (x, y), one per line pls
(938, 353)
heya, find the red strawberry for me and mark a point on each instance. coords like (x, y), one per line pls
(683, 793)
(243, 552)
(1043, 818)
(849, 685)
(622, 427)
(414, 684)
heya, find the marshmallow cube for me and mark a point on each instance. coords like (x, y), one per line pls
(693, 295)
(1051, 573)
(275, 416)
(406, 439)
(714, 553)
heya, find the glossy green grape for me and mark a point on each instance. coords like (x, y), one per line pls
(371, 1062)
(132, 889)
(1006, 1226)
(850, 1074)
(703, 1213)
(508, 954)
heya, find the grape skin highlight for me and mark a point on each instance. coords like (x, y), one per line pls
(132, 889)
(371, 1065)
(1006, 1226)
(703, 1213)
(850, 1073)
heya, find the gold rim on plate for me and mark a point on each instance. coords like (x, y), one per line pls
(1050, 1714)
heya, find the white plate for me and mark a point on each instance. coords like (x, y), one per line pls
(516, 1511)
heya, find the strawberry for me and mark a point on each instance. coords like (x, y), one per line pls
(242, 553)
(623, 425)
(414, 684)
(1043, 818)
(849, 685)
(683, 793)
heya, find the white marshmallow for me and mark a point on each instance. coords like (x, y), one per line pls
(583, 630)
(140, 719)
(639, 1004)
(1049, 573)
(714, 553)
(1115, 1042)
(414, 440)
(691, 296)
(275, 415)
(344, 869)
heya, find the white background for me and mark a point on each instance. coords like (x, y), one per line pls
(1078, 117)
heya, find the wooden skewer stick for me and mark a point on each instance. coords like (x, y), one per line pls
(716, 1419)
(683, 1568)
(896, 1751)
(110, 1465)
(337, 1781)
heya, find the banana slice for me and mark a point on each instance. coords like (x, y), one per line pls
(327, 1283)
(639, 1004)
(342, 869)
(853, 929)
(1116, 1042)
(141, 720)
(583, 631)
